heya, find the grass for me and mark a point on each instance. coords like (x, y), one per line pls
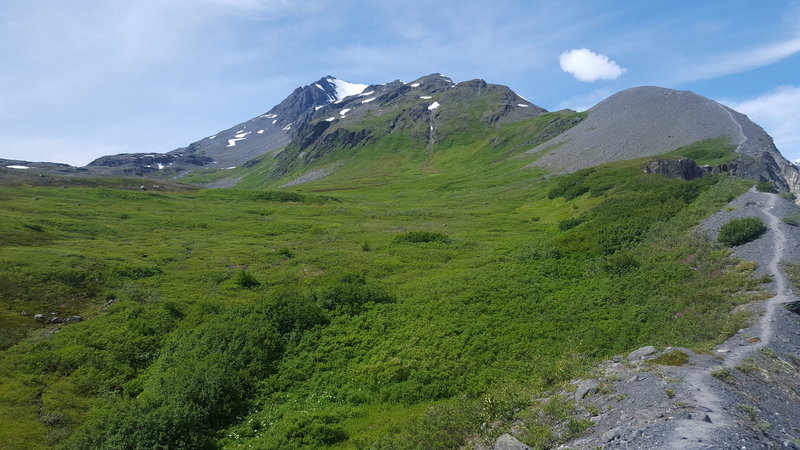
(671, 358)
(380, 306)
(711, 152)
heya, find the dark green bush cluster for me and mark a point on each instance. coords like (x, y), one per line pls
(766, 186)
(419, 237)
(135, 272)
(741, 231)
(570, 223)
(277, 196)
(245, 280)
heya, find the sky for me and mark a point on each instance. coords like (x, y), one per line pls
(84, 78)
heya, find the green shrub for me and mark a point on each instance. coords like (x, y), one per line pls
(285, 251)
(672, 358)
(570, 223)
(276, 196)
(419, 237)
(245, 280)
(788, 195)
(766, 186)
(741, 231)
(792, 219)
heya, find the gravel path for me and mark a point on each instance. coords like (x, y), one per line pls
(744, 395)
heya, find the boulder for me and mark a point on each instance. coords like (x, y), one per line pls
(641, 353)
(586, 389)
(681, 168)
(508, 442)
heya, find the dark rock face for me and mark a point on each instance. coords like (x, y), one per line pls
(682, 168)
(150, 164)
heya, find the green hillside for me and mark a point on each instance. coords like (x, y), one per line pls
(412, 294)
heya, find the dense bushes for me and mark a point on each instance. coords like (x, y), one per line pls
(419, 237)
(741, 231)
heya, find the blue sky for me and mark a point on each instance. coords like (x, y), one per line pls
(84, 78)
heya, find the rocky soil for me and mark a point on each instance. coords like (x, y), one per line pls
(743, 395)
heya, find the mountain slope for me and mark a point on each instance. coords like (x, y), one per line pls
(651, 121)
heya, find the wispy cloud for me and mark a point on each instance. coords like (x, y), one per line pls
(739, 61)
(778, 112)
(586, 65)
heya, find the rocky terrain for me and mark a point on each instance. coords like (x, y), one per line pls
(744, 394)
(649, 121)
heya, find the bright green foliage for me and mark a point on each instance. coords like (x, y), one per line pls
(372, 333)
(741, 231)
(671, 358)
(711, 152)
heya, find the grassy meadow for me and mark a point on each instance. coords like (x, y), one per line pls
(400, 302)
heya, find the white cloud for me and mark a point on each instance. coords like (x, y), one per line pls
(778, 112)
(586, 65)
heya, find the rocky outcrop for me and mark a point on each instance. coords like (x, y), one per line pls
(651, 121)
(682, 168)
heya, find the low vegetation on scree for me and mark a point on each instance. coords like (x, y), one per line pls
(373, 308)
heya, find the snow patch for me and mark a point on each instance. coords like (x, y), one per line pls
(368, 100)
(337, 102)
(273, 122)
(344, 111)
(345, 89)
(212, 137)
(317, 108)
(260, 131)
(241, 135)
(330, 119)
(522, 105)
(232, 142)
(317, 85)
(364, 94)
(414, 84)
(231, 167)
(425, 97)
(433, 106)
(269, 116)
(160, 166)
(17, 167)
(287, 128)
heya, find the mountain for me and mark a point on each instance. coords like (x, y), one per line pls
(316, 115)
(231, 147)
(651, 121)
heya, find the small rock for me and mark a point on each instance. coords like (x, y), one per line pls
(616, 359)
(707, 419)
(633, 378)
(641, 353)
(508, 442)
(73, 319)
(39, 317)
(704, 409)
(586, 389)
(25, 313)
(612, 434)
(594, 419)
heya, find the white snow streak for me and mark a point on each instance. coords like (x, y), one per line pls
(433, 106)
(345, 89)
(414, 85)
(364, 94)
(344, 111)
(18, 167)
(522, 105)
(260, 131)
(368, 100)
(330, 119)
(273, 122)
(425, 97)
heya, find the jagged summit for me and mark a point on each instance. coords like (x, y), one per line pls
(310, 109)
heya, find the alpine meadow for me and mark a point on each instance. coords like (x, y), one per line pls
(422, 265)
